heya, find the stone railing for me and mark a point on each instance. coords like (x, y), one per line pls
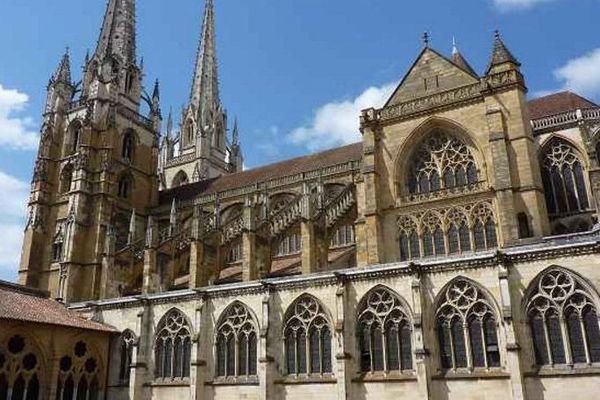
(478, 187)
(566, 118)
(287, 216)
(233, 229)
(134, 116)
(182, 159)
(339, 206)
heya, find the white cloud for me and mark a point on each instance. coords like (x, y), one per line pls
(582, 74)
(508, 5)
(16, 132)
(337, 123)
(12, 217)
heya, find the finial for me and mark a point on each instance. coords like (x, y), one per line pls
(497, 34)
(156, 92)
(454, 46)
(426, 39)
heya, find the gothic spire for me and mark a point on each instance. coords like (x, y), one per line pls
(118, 36)
(459, 60)
(204, 97)
(501, 54)
(63, 72)
(236, 134)
(170, 123)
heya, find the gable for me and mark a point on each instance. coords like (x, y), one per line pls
(431, 73)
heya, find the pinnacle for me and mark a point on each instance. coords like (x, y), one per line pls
(500, 53)
(63, 72)
(118, 36)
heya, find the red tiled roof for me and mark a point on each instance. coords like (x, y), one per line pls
(557, 103)
(20, 303)
(281, 169)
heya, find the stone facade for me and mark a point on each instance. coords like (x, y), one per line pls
(450, 254)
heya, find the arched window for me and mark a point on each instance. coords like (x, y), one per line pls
(484, 227)
(343, 236)
(466, 325)
(180, 179)
(307, 338)
(524, 228)
(236, 343)
(384, 333)
(128, 146)
(236, 252)
(66, 179)
(73, 138)
(563, 320)
(124, 187)
(189, 133)
(172, 347)
(563, 178)
(442, 161)
(126, 343)
(78, 376)
(410, 247)
(433, 235)
(289, 244)
(57, 245)
(19, 369)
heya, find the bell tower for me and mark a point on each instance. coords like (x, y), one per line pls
(96, 149)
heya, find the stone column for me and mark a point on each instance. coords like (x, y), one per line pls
(265, 361)
(421, 353)
(342, 357)
(369, 224)
(107, 281)
(199, 270)
(140, 365)
(513, 359)
(198, 364)
(501, 178)
(312, 231)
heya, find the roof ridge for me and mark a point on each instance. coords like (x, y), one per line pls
(15, 287)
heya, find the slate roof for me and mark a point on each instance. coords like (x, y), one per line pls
(557, 103)
(20, 303)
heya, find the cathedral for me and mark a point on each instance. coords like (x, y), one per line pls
(452, 253)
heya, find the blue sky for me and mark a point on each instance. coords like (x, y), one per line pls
(294, 72)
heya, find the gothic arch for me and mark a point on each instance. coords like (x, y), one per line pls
(73, 137)
(81, 372)
(307, 336)
(406, 151)
(562, 312)
(172, 346)
(180, 179)
(236, 342)
(468, 326)
(125, 185)
(384, 330)
(564, 167)
(129, 144)
(126, 343)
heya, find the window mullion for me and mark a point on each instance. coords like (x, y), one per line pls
(320, 351)
(371, 348)
(586, 345)
(399, 339)
(548, 345)
(236, 352)
(384, 348)
(484, 343)
(468, 349)
(297, 366)
(451, 335)
(566, 340)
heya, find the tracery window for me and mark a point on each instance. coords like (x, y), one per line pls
(410, 246)
(236, 252)
(466, 328)
(307, 338)
(126, 344)
(384, 333)
(19, 369)
(172, 347)
(563, 320)
(57, 246)
(433, 235)
(127, 147)
(78, 377)
(66, 179)
(236, 343)
(289, 244)
(484, 228)
(74, 137)
(563, 178)
(442, 161)
(343, 236)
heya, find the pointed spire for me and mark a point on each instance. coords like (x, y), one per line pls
(459, 60)
(63, 72)
(118, 36)
(204, 97)
(501, 54)
(170, 123)
(150, 232)
(173, 218)
(156, 91)
(132, 224)
(236, 134)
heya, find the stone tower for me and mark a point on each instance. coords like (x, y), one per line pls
(96, 149)
(201, 149)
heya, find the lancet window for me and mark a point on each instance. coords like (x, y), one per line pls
(128, 146)
(467, 328)
(19, 369)
(307, 338)
(563, 320)
(343, 236)
(442, 161)
(236, 343)
(126, 344)
(172, 347)
(289, 244)
(384, 333)
(563, 178)
(78, 376)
